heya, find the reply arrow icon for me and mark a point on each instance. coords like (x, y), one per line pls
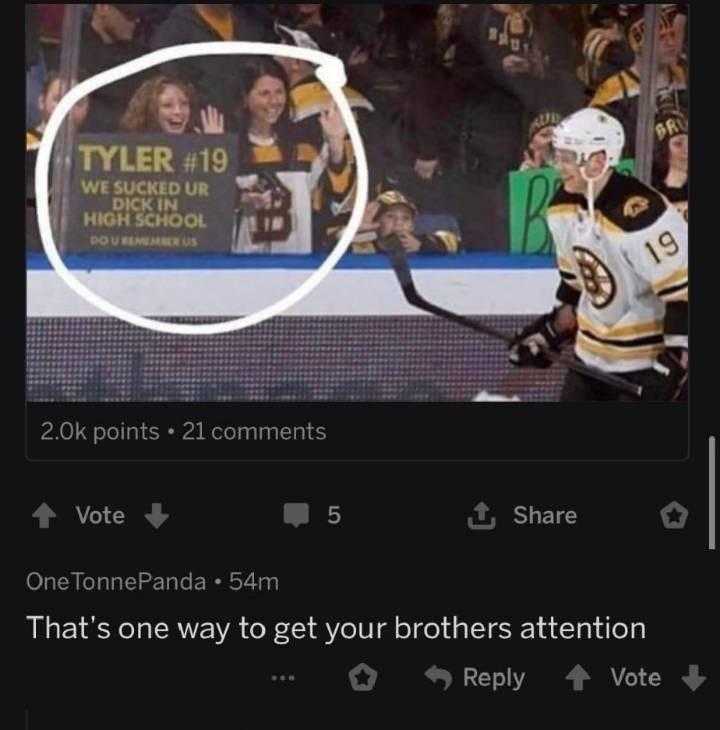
(435, 675)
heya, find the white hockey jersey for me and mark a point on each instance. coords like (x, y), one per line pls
(622, 272)
(294, 188)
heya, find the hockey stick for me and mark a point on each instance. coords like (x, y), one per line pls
(398, 260)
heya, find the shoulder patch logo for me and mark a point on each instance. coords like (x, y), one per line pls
(636, 206)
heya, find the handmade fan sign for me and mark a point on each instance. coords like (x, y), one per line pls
(129, 184)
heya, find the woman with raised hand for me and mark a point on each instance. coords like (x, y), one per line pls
(283, 178)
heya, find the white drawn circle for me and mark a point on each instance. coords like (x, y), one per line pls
(330, 72)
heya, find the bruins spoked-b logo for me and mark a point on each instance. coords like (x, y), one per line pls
(599, 282)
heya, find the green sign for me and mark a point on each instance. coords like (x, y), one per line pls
(530, 195)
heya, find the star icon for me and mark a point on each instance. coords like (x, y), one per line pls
(363, 678)
(674, 516)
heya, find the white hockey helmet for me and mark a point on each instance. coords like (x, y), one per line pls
(588, 132)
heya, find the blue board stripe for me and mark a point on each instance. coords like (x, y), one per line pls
(118, 262)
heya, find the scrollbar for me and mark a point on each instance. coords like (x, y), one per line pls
(711, 496)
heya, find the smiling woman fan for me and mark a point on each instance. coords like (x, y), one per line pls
(168, 105)
(283, 177)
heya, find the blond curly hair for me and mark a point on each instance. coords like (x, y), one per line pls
(142, 112)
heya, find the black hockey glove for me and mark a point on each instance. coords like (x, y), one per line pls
(527, 350)
(668, 378)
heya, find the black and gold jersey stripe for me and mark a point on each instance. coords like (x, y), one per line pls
(625, 205)
(623, 342)
(619, 352)
(626, 85)
(674, 288)
(310, 98)
(340, 179)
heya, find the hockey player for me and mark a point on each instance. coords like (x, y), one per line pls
(622, 253)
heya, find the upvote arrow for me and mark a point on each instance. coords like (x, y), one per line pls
(578, 677)
(156, 517)
(694, 681)
(43, 514)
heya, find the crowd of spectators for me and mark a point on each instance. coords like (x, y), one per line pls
(449, 98)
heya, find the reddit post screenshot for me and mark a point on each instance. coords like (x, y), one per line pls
(356, 369)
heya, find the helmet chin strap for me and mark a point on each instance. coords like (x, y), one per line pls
(591, 187)
(590, 196)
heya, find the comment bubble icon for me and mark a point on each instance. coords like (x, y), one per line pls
(297, 515)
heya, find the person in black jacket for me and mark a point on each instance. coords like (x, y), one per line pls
(619, 95)
(111, 37)
(34, 65)
(606, 50)
(214, 78)
(52, 92)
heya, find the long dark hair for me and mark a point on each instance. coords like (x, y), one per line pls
(253, 70)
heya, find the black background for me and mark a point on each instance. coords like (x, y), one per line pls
(403, 548)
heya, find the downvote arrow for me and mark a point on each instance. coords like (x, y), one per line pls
(578, 677)
(156, 517)
(694, 681)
